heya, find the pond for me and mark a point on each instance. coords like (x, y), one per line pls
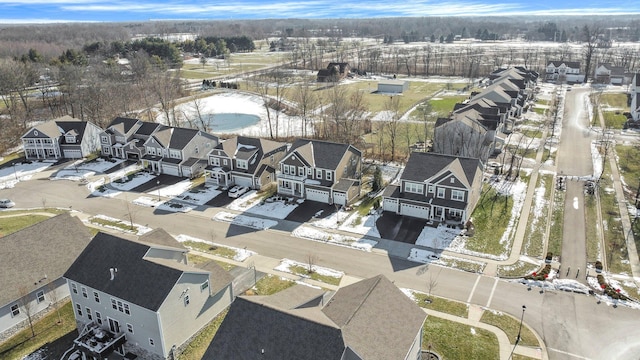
(230, 121)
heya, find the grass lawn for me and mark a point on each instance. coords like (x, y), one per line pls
(592, 224)
(454, 340)
(303, 271)
(47, 330)
(537, 222)
(490, 218)
(519, 269)
(442, 305)
(614, 237)
(221, 251)
(613, 120)
(557, 222)
(271, 284)
(510, 326)
(196, 260)
(443, 106)
(10, 157)
(629, 168)
(10, 225)
(196, 348)
(618, 100)
(112, 223)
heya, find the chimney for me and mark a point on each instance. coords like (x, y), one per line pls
(113, 272)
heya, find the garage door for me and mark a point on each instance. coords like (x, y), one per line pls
(340, 198)
(390, 205)
(170, 170)
(318, 195)
(243, 181)
(72, 154)
(415, 211)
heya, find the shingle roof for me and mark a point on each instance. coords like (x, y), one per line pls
(123, 125)
(46, 248)
(138, 281)
(69, 126)
(160, 237)
(147, 128)
(422, 166)
(571, 64)
(321, 154)
(250, 327)
(378, 321)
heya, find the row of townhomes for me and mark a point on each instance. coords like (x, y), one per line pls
(444, 186)
(141, 298)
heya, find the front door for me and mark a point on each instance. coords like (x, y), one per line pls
(114, 326)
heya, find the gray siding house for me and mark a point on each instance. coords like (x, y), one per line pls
(321, 171)
(142, 298)
(178, 151)
(124, 138)
(33, 262)
(369, 320)
(436, 187)
(62, 138)
(244, 161)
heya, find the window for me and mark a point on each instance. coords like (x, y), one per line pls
(74, 288)
(15, 310)
(328, 175)
(98, 318)
(224, 162)
(457, 213)
(431, 189)
(242, 164)
(70, 139)
(79, 309)
(196, 150)
(186, 300)
(120, 306)
(457, 195)
(105, 139)
(309, 171)
(204, 285)
(215, 161)
(413, 188)
(40, 296)
(271, 158)
(89, 314)
(300, 171)
(452, 180)
(151, 342)
(84, 292)
(318, 174)
(441, 193)
(174, 154)
(130, 328)
(96, 296)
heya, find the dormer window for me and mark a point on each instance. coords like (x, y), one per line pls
(242, 164)
(70, 139)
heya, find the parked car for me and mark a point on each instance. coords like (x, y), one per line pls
(237, 191)
(6, 203)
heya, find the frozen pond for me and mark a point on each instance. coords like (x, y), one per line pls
(227, 122)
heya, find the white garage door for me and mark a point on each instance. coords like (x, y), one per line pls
(72, 154)
(415, 211)
(186, 171)
(318, 195)
(340, 198)
(170, 170)
(243, 181)
(390, 205)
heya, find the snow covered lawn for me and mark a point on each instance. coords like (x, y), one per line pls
(10, 175)
(238, 254)
(306, 232)
(172, 190)
(318, 273)
(98, 187)
(80, 169)
(116, 224)
(171, 206)
(251, 203)
(200, 195)
(242, 220)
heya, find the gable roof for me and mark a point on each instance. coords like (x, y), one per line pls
(123, 125)
(139, 281)
(571, 64)
(321, 154)
(47, 248)
(177, 137)
(57, 127)
(422, 166)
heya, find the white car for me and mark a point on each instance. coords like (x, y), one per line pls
(6, 203)
(237, 191)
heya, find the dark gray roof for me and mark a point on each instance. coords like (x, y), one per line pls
(571, 64)
(138, 281)
(46, 248)
(147, 128)
(378, 321)
(422, 166)
(123, 124)
(322, 154)
(250, 327)
(69, 127)
(160, 237)
(344, 185)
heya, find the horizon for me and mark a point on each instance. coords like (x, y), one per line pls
(19, 12)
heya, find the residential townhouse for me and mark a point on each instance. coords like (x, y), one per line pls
(124, 138)
(178, 151)
(244, 161)
(564, 72)
(61, 138)
(368, 320)
(321, 171)
(436, 187)
(132, 297)
(606, 73)
(33, 262)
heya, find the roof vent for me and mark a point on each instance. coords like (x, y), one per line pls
(113, 272)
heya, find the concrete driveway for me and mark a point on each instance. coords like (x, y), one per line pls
(165, 180)
(308, 210)
(404, 229)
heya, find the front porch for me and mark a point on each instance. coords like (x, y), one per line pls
(217, 176)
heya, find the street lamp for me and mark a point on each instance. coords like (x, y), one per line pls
(158, 184)
(519, 332)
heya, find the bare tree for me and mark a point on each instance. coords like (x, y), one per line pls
(312, 259)
(392, 106)
(590, 37)
(54, 296)
(306, 101)
(432, 282)
(25, 302)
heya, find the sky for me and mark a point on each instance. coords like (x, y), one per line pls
(48, 11)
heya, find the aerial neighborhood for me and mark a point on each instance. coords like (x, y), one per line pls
(322, 198)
